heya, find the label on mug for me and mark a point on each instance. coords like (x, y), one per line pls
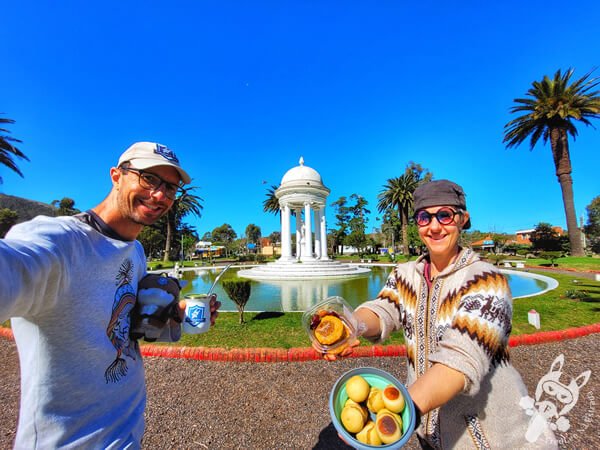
(197, 314)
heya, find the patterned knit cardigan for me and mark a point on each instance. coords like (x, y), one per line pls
(462, 321)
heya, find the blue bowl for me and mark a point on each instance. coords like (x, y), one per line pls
(378, 378)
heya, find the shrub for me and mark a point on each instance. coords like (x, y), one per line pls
(239, 292)
(576, 295)
(550, 256)
(496, 258)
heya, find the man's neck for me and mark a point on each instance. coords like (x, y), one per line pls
(109, 213)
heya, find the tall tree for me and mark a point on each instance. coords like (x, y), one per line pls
(358, 223)
(65, 207)
(275, 237)
(152, 239)
(342, 215)
(390, 227)
(592, 227)
(548, 113)
(8, 150)
(187, 238)
(421, 174)
(253, 235)
(186, 204)
(224, 235)
(545, 238)
(397, 194)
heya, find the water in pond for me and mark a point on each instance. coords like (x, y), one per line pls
(302, 294)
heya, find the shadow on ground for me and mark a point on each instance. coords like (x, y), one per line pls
(267, 315)
(329, 440)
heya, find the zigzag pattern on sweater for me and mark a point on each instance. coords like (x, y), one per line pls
(476, 308)
(485, 316)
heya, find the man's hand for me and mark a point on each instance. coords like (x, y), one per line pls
(214, 305)
(214, 308)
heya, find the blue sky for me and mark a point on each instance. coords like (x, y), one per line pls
(241, 90)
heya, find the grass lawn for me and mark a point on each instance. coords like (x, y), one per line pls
(284, 330)
(584, 263)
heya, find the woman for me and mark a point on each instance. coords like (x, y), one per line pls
(455, 311)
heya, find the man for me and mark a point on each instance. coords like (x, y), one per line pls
(69, 284)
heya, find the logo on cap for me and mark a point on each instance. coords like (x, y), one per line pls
(166, 153)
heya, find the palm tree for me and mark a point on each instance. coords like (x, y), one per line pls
(187, 203)
(397, 194)
(7, 150)
(271, 203)
(548, 113)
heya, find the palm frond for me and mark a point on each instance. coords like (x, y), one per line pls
(8, 150)
(553, 103)
(271, 203)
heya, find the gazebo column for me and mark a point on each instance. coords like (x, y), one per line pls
(308, 253)
(323, 226)
(298, 232)
(286, 237)
(317, 213)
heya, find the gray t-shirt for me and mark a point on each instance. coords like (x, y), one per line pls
(69, 289)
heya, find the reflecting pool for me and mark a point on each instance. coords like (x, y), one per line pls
(300, 295)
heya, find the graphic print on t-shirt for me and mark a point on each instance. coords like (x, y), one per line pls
(118, 327)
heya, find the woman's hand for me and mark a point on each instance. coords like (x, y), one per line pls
(332, 356)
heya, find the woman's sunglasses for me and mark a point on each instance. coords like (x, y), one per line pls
(445, 216)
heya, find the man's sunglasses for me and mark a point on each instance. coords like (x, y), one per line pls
(153, 182)
(445, 216)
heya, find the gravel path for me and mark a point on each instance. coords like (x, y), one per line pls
(226, 405)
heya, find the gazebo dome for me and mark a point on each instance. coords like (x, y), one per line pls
(302, 175)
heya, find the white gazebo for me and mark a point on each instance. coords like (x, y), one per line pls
(303, 191)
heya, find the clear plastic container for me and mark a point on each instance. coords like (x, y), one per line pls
(338, 308)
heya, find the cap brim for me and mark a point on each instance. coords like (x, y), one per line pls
(146, 163)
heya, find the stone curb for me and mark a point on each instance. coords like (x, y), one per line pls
(299, 354)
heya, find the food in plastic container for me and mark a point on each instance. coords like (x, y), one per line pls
(331, 325)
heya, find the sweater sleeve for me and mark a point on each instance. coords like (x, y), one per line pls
(389, 305)
(32, 268)
(478, 335)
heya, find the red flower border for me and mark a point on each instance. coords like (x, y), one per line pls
(309, 354)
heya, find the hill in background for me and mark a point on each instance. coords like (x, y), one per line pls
(26, 209)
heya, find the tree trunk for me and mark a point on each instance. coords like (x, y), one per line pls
(562, 162)
(404, 226)
(169, 237)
